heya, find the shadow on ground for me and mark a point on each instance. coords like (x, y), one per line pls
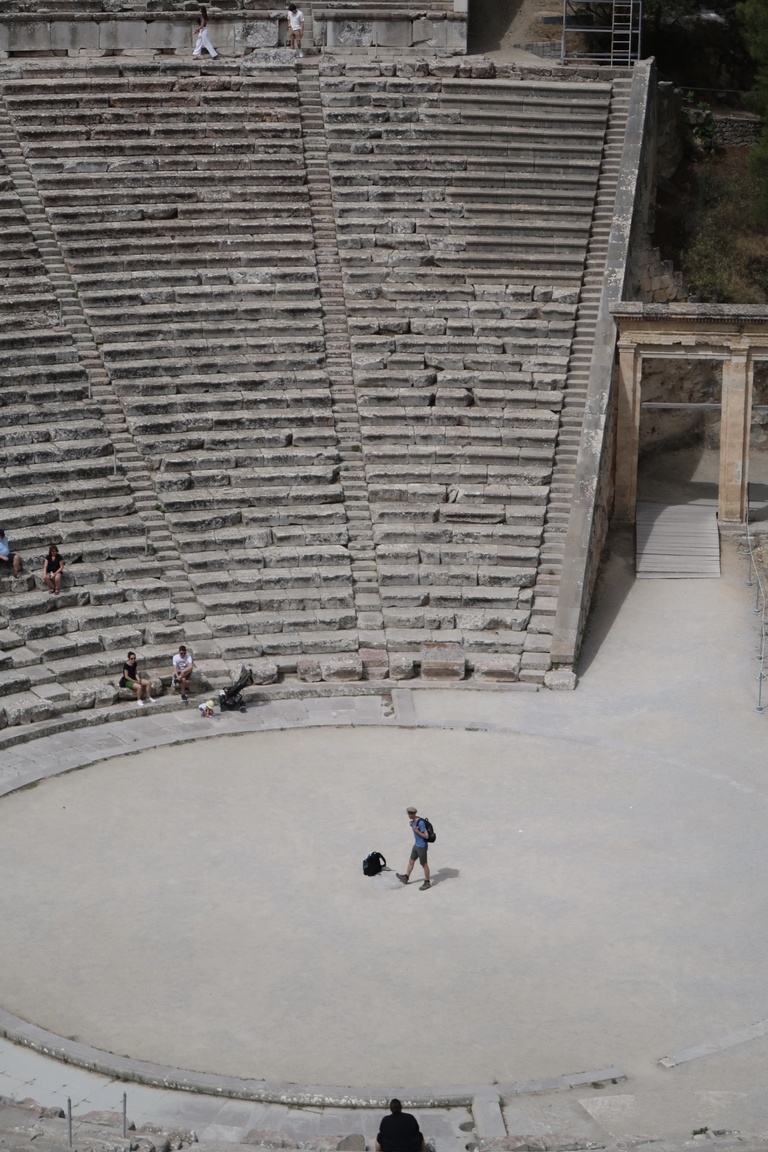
(444, 874)
(489, 22)
(617, 575)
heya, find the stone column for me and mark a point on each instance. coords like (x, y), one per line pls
(734, 435)
(627, 431)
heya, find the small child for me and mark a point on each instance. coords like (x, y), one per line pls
(207, 709)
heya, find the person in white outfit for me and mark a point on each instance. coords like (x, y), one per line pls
(295, 28)
(203, 39)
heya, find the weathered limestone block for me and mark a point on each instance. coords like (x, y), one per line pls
(392, 33)
(51, 692)
(29, 37)
(560, 680)
(457, 36)
(308, 669)
(13, 682)
(257, 34)
(497, 668)
(342, 668)
(331, 66)
(149, 1144)
(430, 32)
(355, 1142)
(170, 34)
(482, 69)
(442, 662)
(123, 34)
(401, 666)
(350, 33)
(536, 660)
(411, 66)
(110, 1119)
(264, 672)
(93, 693)
(66, 34)
(375, 663)
(447, 68)
(266, 1138)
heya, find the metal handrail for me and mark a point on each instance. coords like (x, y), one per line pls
(755, 578)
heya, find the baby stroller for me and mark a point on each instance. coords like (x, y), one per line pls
(231, 699)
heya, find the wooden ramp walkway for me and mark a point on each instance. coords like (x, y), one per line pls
(677, 541)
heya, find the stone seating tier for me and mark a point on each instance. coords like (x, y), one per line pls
(57, 454)
(460, 164)
(461, 250)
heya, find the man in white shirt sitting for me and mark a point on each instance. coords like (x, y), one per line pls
(183, 667)
(295, 28)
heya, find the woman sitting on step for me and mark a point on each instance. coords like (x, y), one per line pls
(53, 568)
(132, 678)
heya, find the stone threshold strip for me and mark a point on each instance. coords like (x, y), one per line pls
(741, 1036)
(269, 1092)
(128, 460)
(285, 691)
(367, 598)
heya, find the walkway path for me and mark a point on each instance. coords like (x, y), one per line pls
(663, 717)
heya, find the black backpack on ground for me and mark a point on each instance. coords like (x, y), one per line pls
(431, 834)
(374, 864)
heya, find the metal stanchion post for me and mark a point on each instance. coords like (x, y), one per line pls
(69, 1120)
(170, 606)
(125, 1114)
(760, 707)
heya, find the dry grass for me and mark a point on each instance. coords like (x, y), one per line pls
(725, 256)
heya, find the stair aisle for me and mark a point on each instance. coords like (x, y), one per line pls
(339, 362)
(577, 376)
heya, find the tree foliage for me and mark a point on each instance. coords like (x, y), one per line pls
(698, 43)
(754, 17)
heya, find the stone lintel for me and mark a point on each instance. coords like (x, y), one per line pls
(703, 330)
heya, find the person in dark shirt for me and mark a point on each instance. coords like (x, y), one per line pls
(132, 678)
(399, 1132)
(53, 568)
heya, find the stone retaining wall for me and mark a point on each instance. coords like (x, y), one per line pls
(233, 34)
(443, 32)
(110, 34)
(593, 489)
(738, 130)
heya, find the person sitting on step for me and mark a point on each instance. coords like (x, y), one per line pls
(183, 667)
(132, 678)
(9, 561)
(53, 569)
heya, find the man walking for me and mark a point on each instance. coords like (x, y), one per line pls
(295, 28)
(418, 852)
(399, 1132)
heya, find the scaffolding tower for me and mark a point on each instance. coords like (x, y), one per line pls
(612, 27)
